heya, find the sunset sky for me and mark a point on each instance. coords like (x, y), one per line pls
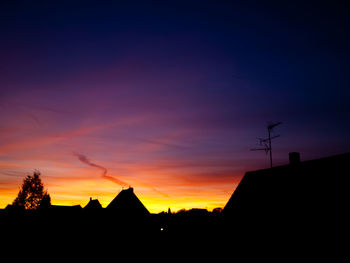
(166, 96)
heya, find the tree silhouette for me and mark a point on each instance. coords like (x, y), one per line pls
(32, 193)
(46, 201)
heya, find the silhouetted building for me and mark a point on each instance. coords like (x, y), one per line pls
(301, 190)
(14, 210)
(193, 212)
(93, 204)
(126, 203)
(65, 208)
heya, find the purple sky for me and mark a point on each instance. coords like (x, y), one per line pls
(169, 97)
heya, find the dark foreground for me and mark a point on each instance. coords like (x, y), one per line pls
(166, 232)
(101, 237)
(297, 211)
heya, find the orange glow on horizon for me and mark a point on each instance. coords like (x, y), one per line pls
(162, 170)
(85, 184)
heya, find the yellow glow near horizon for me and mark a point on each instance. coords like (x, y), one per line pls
(153, 201)
(173, 184)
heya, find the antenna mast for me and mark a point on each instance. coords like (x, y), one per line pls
(267, 142)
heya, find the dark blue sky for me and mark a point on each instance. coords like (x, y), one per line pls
(185, 85)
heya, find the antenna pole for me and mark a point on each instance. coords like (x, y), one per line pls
(267, 142)
(270, 148)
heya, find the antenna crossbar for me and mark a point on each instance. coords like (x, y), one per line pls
(267, 142)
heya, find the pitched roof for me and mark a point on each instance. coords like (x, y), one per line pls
(93, 204)
(294, 188)
(127, 203)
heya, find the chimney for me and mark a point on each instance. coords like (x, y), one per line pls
(294, 158)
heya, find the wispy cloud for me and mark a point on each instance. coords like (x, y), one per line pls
(113, 179)
(104, 175)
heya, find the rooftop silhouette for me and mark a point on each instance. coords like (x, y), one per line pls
(284, 201)
(93, 204)
(127, 203)
(301, 190)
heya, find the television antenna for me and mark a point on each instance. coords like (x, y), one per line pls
(266, 143)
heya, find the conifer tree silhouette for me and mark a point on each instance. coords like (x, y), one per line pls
(32, 192)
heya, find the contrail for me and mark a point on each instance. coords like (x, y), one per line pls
(85, 160)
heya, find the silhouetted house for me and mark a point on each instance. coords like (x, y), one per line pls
(193, 212)
(64, 208)
(126, 203)
(93, 204)
(14, 210)
(301, 190)
(60, 210)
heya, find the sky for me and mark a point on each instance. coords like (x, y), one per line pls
(167, 96)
